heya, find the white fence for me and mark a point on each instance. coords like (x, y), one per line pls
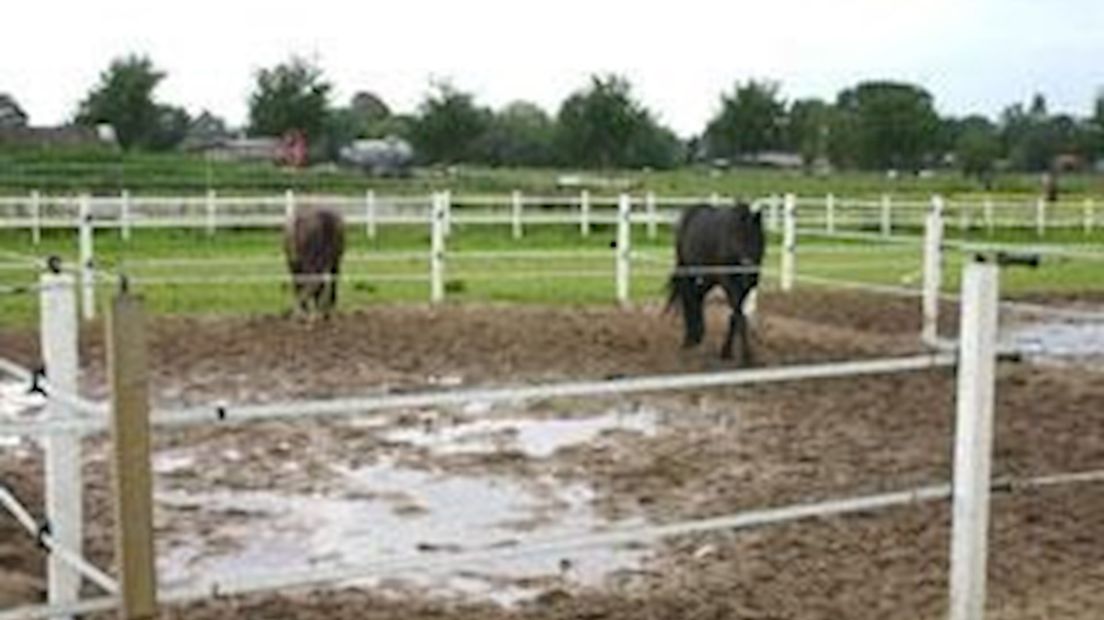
(69, 417)
(830, 213)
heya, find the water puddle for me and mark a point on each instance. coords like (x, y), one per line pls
(389, 511)
(534, 438)
(1069, 342)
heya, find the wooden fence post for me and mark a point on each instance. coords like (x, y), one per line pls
(1040, 217)
(87, 259)
(830, 214)
(789, 243)
(933, 272)
(62, 452)
(772, 213)
(437, 249)
(973, 441)
(624, 247)
(130, 426)
(1088, 216)
(989, 222)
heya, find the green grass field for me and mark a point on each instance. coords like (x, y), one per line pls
(242, 271)
(106, 172)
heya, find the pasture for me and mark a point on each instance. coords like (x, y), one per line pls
(437, 482)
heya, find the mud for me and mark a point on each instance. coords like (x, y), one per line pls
(650, 458)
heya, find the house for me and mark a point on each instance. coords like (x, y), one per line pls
(63, 136)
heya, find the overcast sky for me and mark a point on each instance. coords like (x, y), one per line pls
(973, 55)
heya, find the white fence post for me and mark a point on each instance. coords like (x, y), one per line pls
(933, 272)
(887, 216)
(652, 215)
(714, 199)
(584, 213)
(212, 212)
(87, 258)
(124, 215)
(446, 205)
(989, 222)
(830, 213)
(515, 213)
(1040, 217)
(289, 204)
(973, 441)
(624, 249)
(1088, 216)
(437, 249)
(36, 217)
(772, 213)
(789, 243)
(62, 451)
(370, 214)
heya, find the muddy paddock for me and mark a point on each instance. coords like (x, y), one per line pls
(319, 494)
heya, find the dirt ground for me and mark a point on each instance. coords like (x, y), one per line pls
(715, 452)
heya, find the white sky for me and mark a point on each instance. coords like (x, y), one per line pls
(973, 55)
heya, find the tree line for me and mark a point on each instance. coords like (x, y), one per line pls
(873, 125)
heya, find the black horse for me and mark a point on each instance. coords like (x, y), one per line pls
(314, 241)
(717, 246)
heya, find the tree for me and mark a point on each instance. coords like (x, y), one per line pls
(885, 125)
(808, 127)
(751, 120)
(521, 134)
(603, 125)
(449, 126)
(11, 115)
(977, 146)
(292, 96)
(124, 99)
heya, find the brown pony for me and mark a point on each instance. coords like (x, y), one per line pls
(314, 241)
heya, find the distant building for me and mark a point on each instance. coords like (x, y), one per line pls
(242, 149)
(391, 156)
(64, 136)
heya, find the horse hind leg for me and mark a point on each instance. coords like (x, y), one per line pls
(692, 296)
(737, 291)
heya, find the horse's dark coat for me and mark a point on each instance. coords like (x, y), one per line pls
(314, 241)
(710, 240)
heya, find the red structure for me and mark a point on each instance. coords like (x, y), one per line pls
(293, 149)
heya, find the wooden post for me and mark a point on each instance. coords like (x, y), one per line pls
(714, 199)
(973, 441)
(989, 223)
(1088, 216)
(87, 259)
(772, 213)
(652, 214)
(830, 213)
(584, 213)
(933, 272)
(1040, 217)
(62, 452)
(36, 217)
(124, 215)
(624, 249)
(437, 249)
(370, 214)
(130, 425)
(515, 211)
(789, 243)
(212, 212)
(887, 216)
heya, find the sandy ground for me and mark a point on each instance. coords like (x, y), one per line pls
(712, 452)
